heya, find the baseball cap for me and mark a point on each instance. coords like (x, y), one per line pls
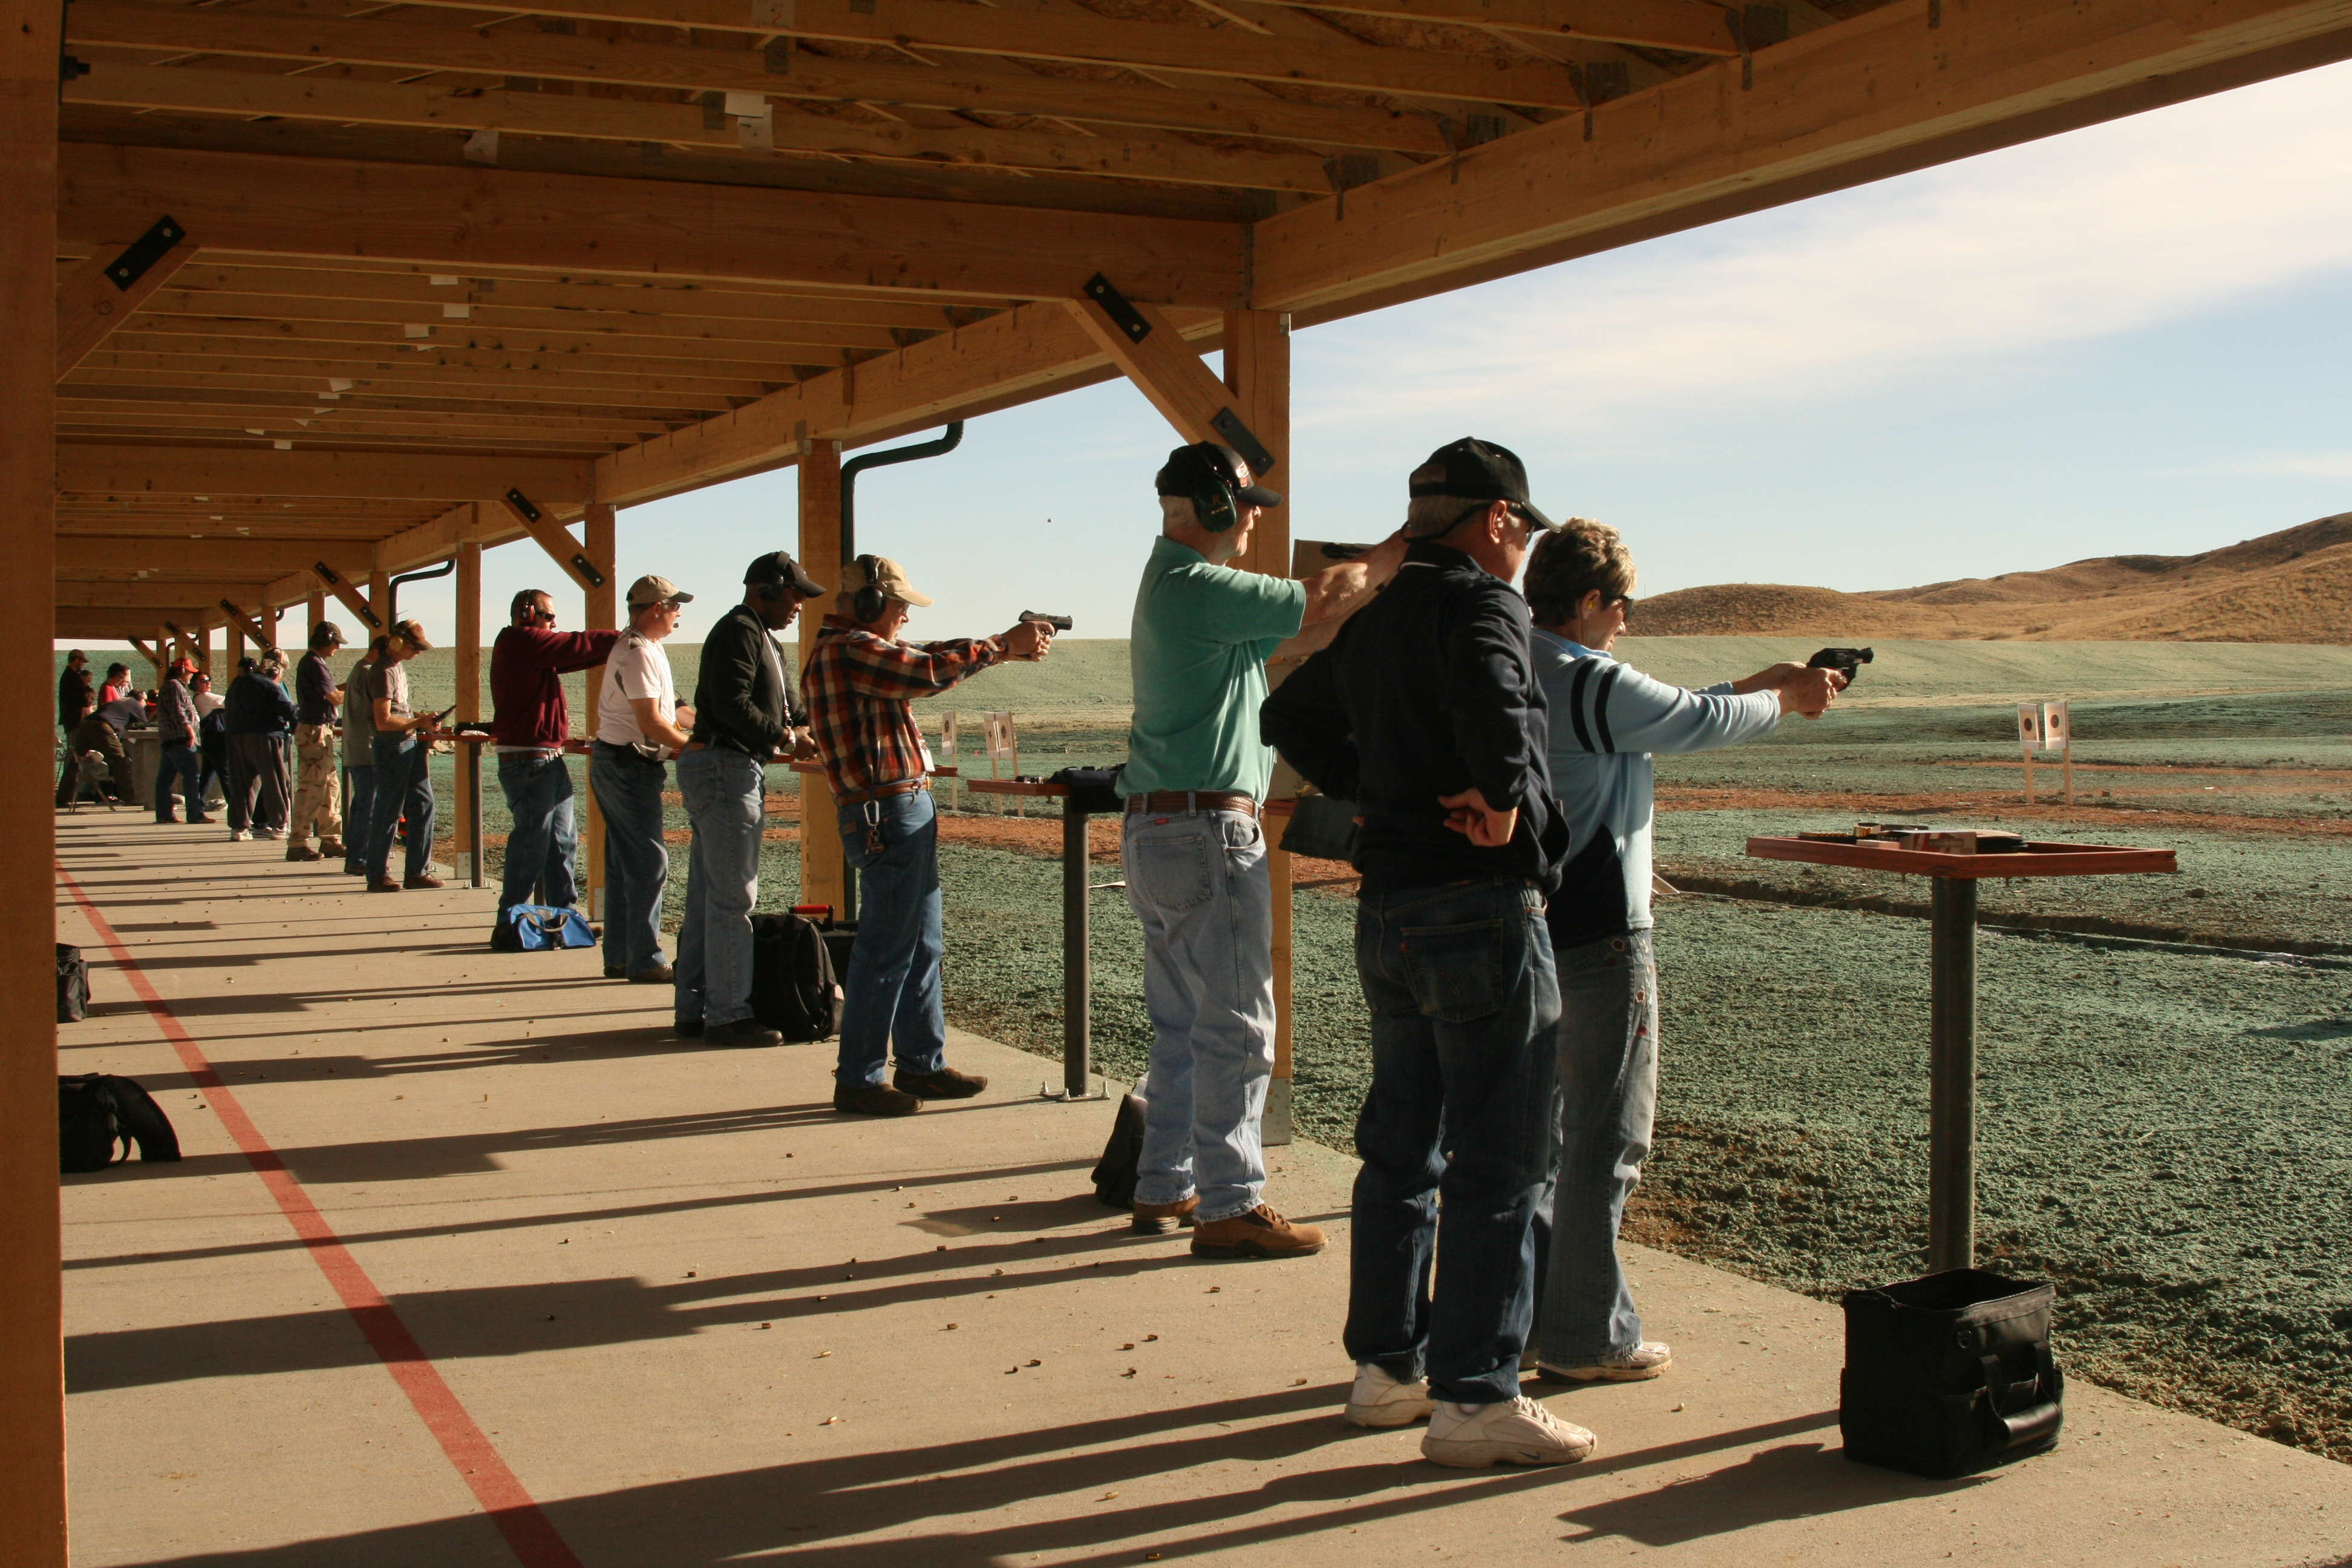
(327, 632)
(887, 575)
(1193, 468)
(410, 633)
(652, 590)
(1472, 470)
(778, 566)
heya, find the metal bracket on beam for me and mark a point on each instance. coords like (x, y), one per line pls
(529, 511)
(1241, 438)
(145, 251)
(522, 503)
(1128, 319)
(327, 575)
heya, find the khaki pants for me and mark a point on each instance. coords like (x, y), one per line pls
(315, 789)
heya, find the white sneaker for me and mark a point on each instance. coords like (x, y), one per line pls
(265, 833)
(239, 836)
(1645, 1360)
(1381, 1399)
(1515, 1432)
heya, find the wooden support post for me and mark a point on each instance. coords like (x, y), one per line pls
(1257, 375)
(378, 603)
(369, 610)
(822, 877)
(32, 1368)
(318, 609)
(235, 649)
(245, 626)
(603, 612)
(466, 637)
(557, 541)
(204, 650)
(2066, 762)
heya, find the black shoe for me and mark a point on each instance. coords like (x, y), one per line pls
(615, 972)
(747, 1032)
(657, 974)
(945, 1084)
(689, 1028)
(874, 1100)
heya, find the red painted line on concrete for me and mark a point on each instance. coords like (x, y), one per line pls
(494, 1486)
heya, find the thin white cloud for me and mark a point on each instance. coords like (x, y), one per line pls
(2302, 465)
(2100, 232)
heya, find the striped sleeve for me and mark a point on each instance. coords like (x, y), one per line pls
(1615, 708)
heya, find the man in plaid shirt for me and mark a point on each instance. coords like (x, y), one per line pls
(860, 684)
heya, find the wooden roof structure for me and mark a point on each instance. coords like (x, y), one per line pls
(605, 250)
(311, 292)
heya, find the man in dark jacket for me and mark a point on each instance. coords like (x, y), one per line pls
(527, 663)
(746, 709)
(261, 724)
(74, 694)
(1426, 711)
(175, 723)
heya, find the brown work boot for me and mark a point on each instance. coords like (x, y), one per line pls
(875, 1099)
(331, 849)
(383, 885)
(1164, 1219)
(1261, 1233)
(657, 975)
(422, 882)
(945, 1084)
(302, 852)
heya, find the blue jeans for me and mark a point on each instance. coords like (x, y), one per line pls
(726, 797)
(185, 765)
(628, 790)
(402, 789)
(542, 841)
(1197, 880)
(890, 1001)
(1465, 1007)
(1609, 1098)
(359, 818)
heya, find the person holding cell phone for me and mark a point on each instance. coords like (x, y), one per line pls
(527, 663)
(402, 787)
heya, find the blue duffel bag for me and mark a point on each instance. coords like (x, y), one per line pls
(540, 928)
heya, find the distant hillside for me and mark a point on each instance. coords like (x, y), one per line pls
(2293, 587)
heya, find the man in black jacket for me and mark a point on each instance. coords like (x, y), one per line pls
(745, 710)
(1426, 711)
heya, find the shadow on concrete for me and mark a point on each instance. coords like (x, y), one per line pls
(575, 1314)
(1795, 1481)
(569, 1217)
(944, 1503)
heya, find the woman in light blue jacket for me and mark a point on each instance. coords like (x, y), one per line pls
(1607, 721)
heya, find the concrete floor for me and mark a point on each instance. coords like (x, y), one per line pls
(498, 1274)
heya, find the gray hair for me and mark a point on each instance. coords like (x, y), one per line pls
(1426, 517)
(1178, 510)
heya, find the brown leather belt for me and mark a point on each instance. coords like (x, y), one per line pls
(1191, 800)
(883, 791)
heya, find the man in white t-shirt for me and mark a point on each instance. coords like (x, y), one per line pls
(638, 722)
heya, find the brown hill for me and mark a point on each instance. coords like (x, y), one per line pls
(2293, 586)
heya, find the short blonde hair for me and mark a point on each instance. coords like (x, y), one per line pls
(1580, 557)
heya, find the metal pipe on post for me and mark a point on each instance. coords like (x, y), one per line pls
(1952, 1075)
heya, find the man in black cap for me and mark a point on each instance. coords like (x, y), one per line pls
(1193, 852)
(746, 709)
(318, 698)
(1426, 711)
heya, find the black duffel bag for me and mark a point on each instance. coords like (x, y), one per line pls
(73, 984)
(1094, 791)
(1949, 1373)
(97, 1113)
(1115, 1173)
(792, 986)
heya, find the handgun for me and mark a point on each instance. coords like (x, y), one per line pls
(1059, 623)
(1846, 661)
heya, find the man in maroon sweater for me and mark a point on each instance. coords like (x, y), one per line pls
(527, 663)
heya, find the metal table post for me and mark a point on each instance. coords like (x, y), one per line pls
(1077, 952)
(1952, 991)
(471, 759)
(1952, 1075)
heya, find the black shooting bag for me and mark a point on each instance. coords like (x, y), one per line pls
(1092, 790)
(73, 984)
(97, 1112)
(1321, 828)
(792, 986)
(1114, 1176)
(1949, 1373)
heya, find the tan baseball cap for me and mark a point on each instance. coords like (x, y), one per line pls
(885, 574)
(410, 633)
(652, 590)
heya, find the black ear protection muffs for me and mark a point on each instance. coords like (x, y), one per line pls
(1214, 506)
(870, 601)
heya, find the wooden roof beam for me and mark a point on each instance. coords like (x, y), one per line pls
(105, 470)
(150, 597)
(552, 537)
(137, 558)
(1873, 96)
(1150, 351)
(327, 206)
(969, 84)
(444, 104)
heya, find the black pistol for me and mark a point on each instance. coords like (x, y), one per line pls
(1846, 661)
(1059, 623)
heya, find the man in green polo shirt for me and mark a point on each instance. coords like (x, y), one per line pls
(1194, 853)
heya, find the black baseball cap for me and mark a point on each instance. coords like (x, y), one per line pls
(1192, 469)
(1472, 470)
(778, 566)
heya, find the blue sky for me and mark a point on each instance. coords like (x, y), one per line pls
(2131, 338)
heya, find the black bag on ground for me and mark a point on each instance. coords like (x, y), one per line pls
(792, 987)
(1949, 1373)
(73, 984)
(1114, 1175)
(840, 942)
(1322, 827)
(1092, 790)
(96, 1111)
